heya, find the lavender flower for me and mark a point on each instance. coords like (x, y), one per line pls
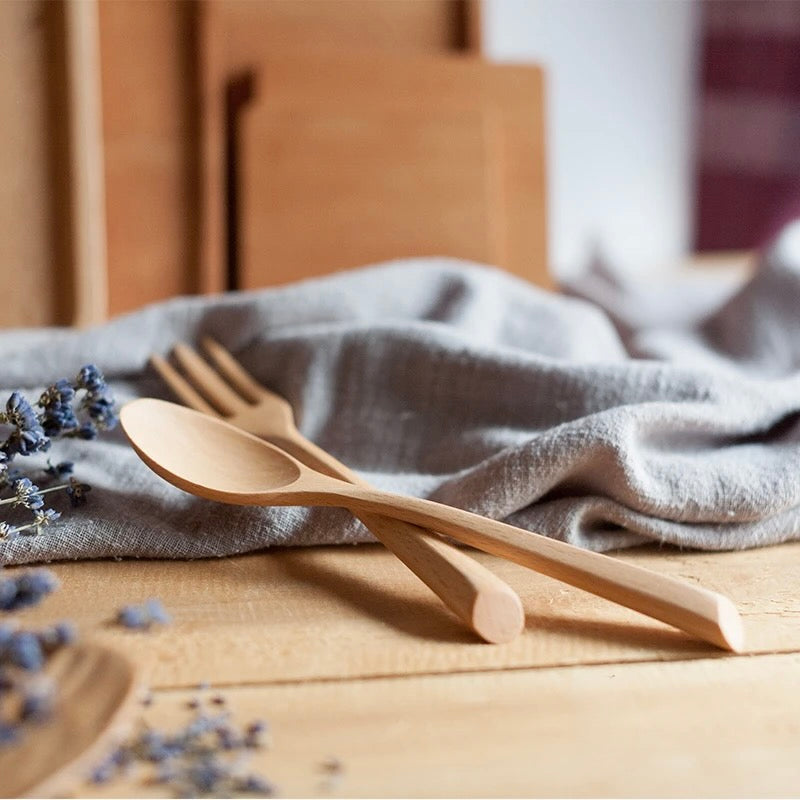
(44, 517)
(76, 491)
(9, 733)
(25, 651)
(142, 617)
(87, 431)
(6, 634)
(66, 409)
(28, 435)
(38, 699)
(58, 416)
(58, 635)
(102, 773)
(204, 759)
(26, 589)
(10, 475)
(206, 774)
(8, 532)
(61, 470)
(228, 738)
(27, 494)
(98, 401)
(157, 612)
(91, 379)
(255, 734)
(132, 617)
(255, 784)
(30, 695)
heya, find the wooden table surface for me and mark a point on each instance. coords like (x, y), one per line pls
(349, 657)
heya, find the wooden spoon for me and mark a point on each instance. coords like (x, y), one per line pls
(95, 691)
(210, 458)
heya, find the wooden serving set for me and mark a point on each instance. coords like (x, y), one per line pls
(218, 450)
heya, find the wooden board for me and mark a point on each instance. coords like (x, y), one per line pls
(251, 28)
(296, 209)
(350, 612)
(705, 728)
(149, 96)
(233, 39)
(350, 160)
(34, 207)
(166, 67)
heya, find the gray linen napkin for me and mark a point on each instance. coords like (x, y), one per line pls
(458, 382)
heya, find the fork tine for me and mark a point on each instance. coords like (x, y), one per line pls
(232, 370)
(180, 387)
(208, 381)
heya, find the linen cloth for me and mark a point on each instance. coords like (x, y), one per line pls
(458, 382)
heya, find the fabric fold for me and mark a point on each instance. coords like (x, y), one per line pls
(458, 382)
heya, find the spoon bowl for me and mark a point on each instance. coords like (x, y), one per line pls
(212, 459)
(180, 449)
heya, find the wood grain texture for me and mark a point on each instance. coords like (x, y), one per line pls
(349, 612)
(89, 258)
(150, 119)
(704, 728)
(34, 209)
(349, 160)
(254, 27)
(324, 192)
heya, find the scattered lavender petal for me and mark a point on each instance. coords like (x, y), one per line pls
(142, 617)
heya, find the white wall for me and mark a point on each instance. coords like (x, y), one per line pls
(621, 88)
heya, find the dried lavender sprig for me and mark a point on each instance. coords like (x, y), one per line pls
(32, 432)
(27, 492)
(41, 518)
(28, 495)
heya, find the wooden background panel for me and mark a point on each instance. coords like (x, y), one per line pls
(166, 69)
(236, 37)
(309, 181)
(34, 207)
(524, 209)
(408, 94)
(164, 80)
(251, 28)
(447, 82)
(151, 131)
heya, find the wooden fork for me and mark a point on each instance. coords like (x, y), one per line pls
(472, 592)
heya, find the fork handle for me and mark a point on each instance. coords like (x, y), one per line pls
(471, 591)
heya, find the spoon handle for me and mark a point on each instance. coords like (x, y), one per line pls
(477, 596)
(708, 615)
